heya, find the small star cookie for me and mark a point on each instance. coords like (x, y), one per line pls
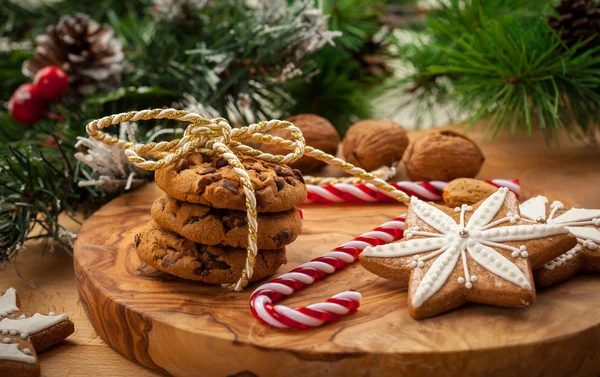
(582, 223)
(482, 253)
(23, 335)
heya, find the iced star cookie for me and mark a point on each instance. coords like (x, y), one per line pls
(216, 226)
(482, 253)
(582, 223)
(169, 252)
(209, 180)
(23, 335)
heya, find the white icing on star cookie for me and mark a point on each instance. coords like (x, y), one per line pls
(455, 240)
(31, 325)
(13, 353)
(8, 303)
(576, 220)
(562, 259)
(22, 327)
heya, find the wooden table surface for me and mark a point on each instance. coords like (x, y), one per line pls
(570, 173)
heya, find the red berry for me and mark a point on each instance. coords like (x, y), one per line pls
(26, 105)
(51, 81)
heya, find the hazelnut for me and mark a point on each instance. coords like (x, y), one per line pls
(318, 133)
(442, 155)
(466, 191)
(371, 144)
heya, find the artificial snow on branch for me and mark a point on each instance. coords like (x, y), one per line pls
(192, 105)
(179, 9)
(112, 171)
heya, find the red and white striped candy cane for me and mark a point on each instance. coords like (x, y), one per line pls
(361, 193)
(262, 299)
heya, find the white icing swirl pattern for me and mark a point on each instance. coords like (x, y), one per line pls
(478, 238)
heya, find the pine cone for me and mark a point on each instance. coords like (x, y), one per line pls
(89, 54)
(577, 20)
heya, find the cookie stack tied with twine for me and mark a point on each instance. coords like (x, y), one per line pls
(209, 175)
(199, 229)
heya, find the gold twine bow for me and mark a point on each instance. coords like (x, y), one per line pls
(216, 136)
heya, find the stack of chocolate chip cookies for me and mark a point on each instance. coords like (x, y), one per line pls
(199, 228)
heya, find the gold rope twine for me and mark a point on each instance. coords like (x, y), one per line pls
(217, 137)
(385, 173)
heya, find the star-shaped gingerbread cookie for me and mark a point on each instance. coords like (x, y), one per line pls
(582, 223)
(482, 253)
(23, 335)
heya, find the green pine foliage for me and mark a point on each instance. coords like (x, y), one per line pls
(39, 181)
(340, 90)
(332, 93)
(246, 62)
(356, 19)
(503, 66)
(214, 54)
(21, 19)
(36, 187)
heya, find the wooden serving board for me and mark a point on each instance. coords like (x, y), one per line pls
(188, 329)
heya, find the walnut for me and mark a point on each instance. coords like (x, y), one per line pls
(466, 191)
(442, 155)
(371, 144)
(318, 133)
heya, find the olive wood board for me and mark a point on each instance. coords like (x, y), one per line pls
(184, 328)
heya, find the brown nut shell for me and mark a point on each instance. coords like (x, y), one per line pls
(442, 155)
(371, 144)
(318, 132)
(466, 191)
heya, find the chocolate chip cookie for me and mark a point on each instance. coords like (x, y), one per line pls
(227, 227)
(211, 181)
(169, 252)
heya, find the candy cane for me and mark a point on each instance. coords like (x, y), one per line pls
(361, 193)
(262, 299)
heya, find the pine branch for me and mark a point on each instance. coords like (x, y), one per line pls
(39, 179)
(356, 19)
(34, 190)
(24, 19)
(225, 54)
(239, 60)
(508, 70)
